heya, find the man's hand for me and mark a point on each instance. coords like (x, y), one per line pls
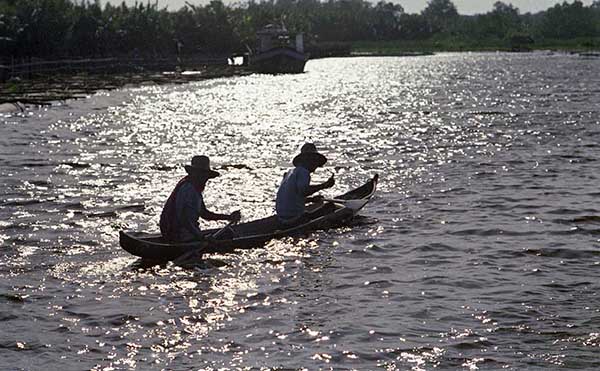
(235, 216)
(329, 183)
(315, 199)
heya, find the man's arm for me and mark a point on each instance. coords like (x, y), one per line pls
(209, 215)
(205, 214)
(318, 187)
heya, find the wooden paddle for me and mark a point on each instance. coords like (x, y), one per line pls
(196, 254)
(220, 231)
(355, 205)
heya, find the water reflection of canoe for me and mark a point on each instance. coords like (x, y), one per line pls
(254, 233)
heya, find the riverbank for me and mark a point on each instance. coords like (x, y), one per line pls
(438, 45)
(387, 53)
(15, 94)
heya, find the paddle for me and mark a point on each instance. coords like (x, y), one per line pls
(220, 231)
(355, 205)
(193, 254)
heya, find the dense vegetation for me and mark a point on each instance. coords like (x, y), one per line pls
(63, 28)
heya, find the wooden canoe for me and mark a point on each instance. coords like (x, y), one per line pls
(254, 233)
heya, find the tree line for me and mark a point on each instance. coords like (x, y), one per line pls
(63, 28)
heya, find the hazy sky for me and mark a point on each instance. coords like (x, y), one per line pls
(411, 6)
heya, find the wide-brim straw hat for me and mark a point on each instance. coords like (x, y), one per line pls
(309, 152)
(201, 165)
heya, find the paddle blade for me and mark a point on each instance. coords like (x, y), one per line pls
(354, 205)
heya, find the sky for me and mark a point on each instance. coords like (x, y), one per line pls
(410, 6)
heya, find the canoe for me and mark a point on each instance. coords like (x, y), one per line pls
(329, 213)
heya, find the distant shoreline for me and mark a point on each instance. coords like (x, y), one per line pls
(442, 45)
(15, 95)
(368, 53)
(379, 53)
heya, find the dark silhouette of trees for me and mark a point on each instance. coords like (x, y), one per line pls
(387, 20)
(440, 15)
(565, 21)
(85, 28)
(503, 20)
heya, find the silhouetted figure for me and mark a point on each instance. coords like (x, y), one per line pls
(179, 217)
(295, 186)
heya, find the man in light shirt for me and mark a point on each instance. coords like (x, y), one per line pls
(295, 186)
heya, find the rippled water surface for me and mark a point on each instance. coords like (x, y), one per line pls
(481, 249)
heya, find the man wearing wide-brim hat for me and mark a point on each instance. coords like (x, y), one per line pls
(295, 186)
(179, 217)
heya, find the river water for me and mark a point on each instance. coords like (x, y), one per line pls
(480, 250)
